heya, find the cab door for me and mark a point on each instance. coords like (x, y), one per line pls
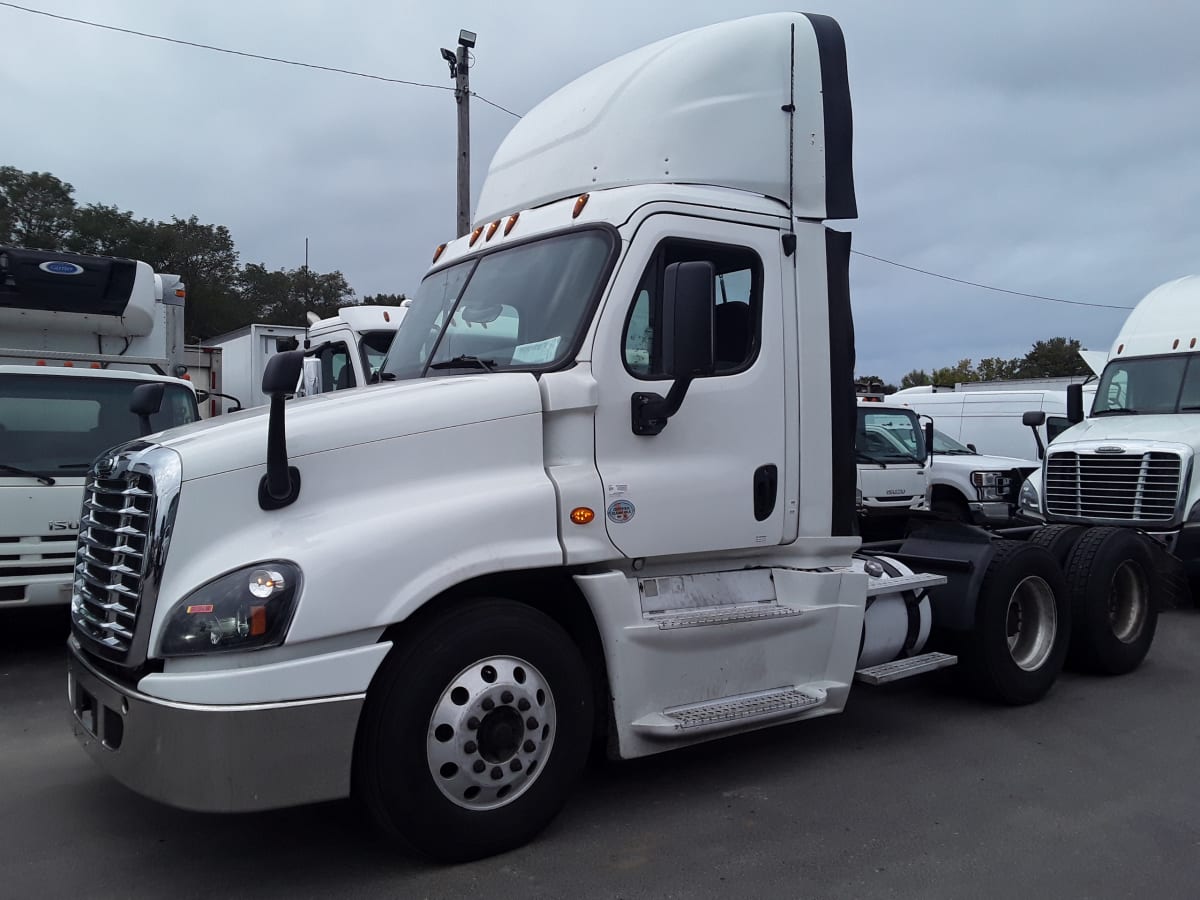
(713, 478)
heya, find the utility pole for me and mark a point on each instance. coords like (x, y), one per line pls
(460, 66)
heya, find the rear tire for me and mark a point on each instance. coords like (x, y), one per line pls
(473, 731)
(1022, 625)
(1115, 599)
(1060, 540)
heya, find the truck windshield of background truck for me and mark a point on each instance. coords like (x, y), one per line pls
(523, 307)
(889, 436)
(56, 425)
(943, 443)
(1149, 385)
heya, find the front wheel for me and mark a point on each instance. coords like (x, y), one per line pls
(1022, 625)
(474, 730)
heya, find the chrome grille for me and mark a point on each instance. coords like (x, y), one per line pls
(112, 557)
(1133, 488)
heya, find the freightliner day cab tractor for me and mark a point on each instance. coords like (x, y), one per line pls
(1128, 471)
(624, 510)
(77, 335)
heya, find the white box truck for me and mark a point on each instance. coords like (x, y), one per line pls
(74, 333)
(626, 512)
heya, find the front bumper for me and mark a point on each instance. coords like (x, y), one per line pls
(991, 513)
(214, 758)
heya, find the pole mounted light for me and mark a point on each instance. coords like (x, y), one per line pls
(459, 62)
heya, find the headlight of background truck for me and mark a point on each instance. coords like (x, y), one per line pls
(246, 609)
(1029, 501)
(991, 486)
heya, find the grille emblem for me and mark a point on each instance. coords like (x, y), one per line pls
(1110, 449)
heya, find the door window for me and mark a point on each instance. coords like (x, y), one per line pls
(336, 371)
(737, 312)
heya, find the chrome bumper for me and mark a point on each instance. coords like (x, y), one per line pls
(214, 758)
(990, 513)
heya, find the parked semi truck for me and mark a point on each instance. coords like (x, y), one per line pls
(604, 490)
(1128, 470)
(77, 335)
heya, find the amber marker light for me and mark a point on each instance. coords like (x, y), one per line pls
(512, 220)
(580, 203)
(492, 230)
(441, 248)
(582, 515)
(475, 236)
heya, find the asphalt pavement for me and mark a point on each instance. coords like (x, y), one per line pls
(916, 791)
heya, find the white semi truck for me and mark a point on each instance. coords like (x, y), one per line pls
(605, 489)
(74, 333)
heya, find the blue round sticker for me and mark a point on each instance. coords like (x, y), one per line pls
(620, 511)
(61, 267)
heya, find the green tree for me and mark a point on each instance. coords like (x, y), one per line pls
(108, 231)
(1054, 357)
(383, 299)
(286, 296)
(36, 209)
(915, 378)
(993, 368)
(963, 371)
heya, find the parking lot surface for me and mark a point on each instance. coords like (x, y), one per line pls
(916, 791)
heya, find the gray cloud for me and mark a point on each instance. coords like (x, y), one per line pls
(1048, 148)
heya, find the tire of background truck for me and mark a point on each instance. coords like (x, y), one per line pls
(1060, 540)
(1022, 625)
(954, 509)
(1114, 599)
(473, 731)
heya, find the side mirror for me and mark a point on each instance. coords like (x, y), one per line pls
(144, 401)
(1036, 418)
(689, 293)
(280, 486)
(929, 442)
(1074, 403)
(973, 448)
(311, 378)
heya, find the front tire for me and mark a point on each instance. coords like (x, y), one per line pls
(1022, 625)
(474, 730)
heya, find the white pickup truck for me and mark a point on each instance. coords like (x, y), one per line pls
(625, 513)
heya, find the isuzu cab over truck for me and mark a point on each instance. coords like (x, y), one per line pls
(1129, 468)
(605, 490)
(62, 317)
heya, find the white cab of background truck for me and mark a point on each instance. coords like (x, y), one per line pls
(605, 488)
(62, 317)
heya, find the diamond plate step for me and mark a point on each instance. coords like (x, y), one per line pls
(695, 618)
(730, 710)
(916, 581)
(904, 668)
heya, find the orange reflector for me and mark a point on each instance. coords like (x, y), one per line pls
(200, 608)
(438, 252)
(581, 515)
(40, 362)
(492, 229)
(580, 203)
(512, 220)
(475, 236)
(180, 292)
(186, 377)
(95, 365)
(258, 620)
(69, 364)
(386, 316)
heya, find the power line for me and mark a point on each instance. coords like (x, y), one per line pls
(987, 287)
(245, 54)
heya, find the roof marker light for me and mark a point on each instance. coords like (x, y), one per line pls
(580, 203)
(1175, 344)
(492, 230)
(1120, 348)
(475, 236)
(441, 248)
(512, 220)
(386, 316)
(68, 364)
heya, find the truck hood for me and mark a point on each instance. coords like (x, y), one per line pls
(347, 418)
(981, 462)
(1173, 429)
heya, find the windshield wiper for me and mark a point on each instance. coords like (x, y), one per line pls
(462, 362)
(1116, 411)
(1189, 409)
(17, 470)
(83, 465)
(866, 457)
(387, 376)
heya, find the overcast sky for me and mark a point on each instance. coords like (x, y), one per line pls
(1052, 148)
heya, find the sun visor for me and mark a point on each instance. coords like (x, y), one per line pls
(760, 104)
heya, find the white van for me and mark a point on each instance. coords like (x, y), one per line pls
(990, 421)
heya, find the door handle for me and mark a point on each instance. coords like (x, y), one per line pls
(766, 488)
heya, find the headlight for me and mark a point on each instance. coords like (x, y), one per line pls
(1028, 500)
(247, 609)
(991, 486)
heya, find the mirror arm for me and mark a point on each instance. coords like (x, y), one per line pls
(650, 412)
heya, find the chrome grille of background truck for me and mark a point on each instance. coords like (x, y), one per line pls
(1130, 489)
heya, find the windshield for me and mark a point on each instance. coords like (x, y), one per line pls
(52, 425)
(889, 436)
(943, 443)
(518, 308)
(374, 346)
(1149, 385)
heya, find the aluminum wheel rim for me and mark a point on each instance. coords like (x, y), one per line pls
(1128, 602)
(1031, 623)
(490, 733)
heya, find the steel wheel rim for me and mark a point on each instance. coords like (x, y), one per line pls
(1031, 623)
(491, 732)
(1128, 602)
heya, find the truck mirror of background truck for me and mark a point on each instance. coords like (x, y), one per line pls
(1074, 403)
(145, 400)
(280, 486)
(1035, 419)
(689, 294)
